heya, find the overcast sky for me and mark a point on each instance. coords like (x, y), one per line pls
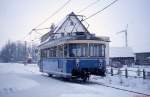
(18, 17)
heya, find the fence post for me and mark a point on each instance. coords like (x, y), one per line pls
(138, 71)
(111, 71)
(144, 74)
(126, 73)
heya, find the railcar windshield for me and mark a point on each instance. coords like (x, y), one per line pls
(84, 50)
(78, 50)
(96, 50)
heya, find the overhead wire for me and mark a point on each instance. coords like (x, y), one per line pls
(101, 10)
(79, 12)
(58, 10)
(91, 4)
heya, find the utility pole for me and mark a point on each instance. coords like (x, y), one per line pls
(25, 52)
(126, 35)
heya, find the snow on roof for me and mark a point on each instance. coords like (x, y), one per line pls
(121, 52)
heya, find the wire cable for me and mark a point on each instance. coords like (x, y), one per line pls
(58, 10)
(91, 4)
(101, 10)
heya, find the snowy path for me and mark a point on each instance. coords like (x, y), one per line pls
(17, 80)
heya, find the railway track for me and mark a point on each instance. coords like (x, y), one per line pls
(97, 83)
(121, 89)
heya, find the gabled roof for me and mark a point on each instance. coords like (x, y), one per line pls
(70, 24)
(121, 52)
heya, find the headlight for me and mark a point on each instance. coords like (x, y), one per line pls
(77, 63)
(100, 65)
(77, 60)
(100, 61)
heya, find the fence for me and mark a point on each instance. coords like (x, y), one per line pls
(138, 73)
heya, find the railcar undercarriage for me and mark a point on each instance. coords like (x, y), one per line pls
(85, 73)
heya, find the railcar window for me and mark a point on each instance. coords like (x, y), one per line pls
(78, 50)
(72, 50)
(103, 50)
(47, 53)
(91, 47)
(50, 52)
(60, 51)
(84, 50)
(96, 50)
(44, 53)
(66, 50)
(75, 50)
(53, 51)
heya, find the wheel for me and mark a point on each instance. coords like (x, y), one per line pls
(49, 75)
(103, 74)
(85, 76)
(66, 79)
(84, 79)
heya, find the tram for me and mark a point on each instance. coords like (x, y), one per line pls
(71, 51)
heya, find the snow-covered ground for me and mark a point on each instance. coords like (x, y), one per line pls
(130, 83)
(17, 80)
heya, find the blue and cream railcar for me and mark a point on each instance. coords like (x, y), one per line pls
(76, 54)
(74, 57)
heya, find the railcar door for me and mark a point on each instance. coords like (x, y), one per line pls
(60, 65)
(60, 54)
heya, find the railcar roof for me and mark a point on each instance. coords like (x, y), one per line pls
(73, 39)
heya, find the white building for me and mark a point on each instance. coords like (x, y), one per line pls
(120, 56)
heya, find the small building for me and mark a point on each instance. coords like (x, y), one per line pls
(120, 56)
(143, 58)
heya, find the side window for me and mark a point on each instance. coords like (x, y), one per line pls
(51, 52)
(66, 50)
(60, 51)
(43, 53)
